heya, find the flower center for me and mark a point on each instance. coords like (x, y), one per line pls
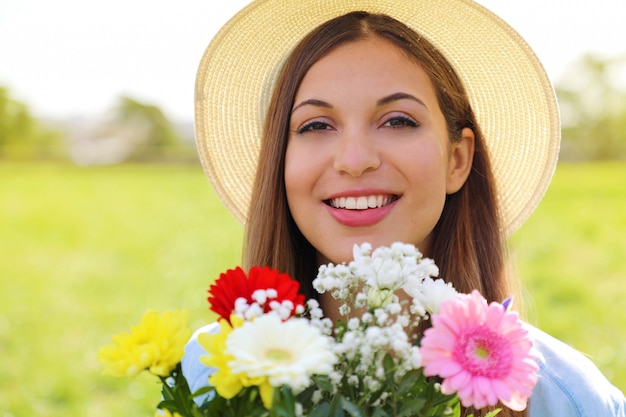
(481, 351)
(277, 355)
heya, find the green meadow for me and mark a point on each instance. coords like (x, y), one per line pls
(85, 251)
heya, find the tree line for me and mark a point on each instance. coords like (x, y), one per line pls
(131, 131)
(592, 100)
(591, 95)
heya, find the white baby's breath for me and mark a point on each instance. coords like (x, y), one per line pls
(367, 318)
(299, 410)
(372, 283)
(360, 301)
(354, 323)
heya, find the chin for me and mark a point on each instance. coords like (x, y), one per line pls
(344, 253)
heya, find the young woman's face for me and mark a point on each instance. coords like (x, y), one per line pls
(368, 156)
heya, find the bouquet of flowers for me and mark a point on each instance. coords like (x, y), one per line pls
(276, 354)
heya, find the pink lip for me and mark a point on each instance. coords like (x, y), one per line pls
(360, 218)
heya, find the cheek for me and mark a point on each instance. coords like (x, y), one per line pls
(298, 174)
(426, 165)
(426, 174)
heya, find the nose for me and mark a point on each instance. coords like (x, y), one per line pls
(356, 153)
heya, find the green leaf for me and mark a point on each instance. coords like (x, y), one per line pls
(456, 411)
(389, 364)
(408, 381)
(379, 412)
(411, 407)
(203, 391)
(449, 400)
(323, 382)
(167, 405)
(322, 410)
(351, 408)
(306, 396)
(336, 410)
(284, 403)
(177, 396)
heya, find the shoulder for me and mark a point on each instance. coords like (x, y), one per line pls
(569, 383)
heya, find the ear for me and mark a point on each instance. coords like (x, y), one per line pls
(461, 159)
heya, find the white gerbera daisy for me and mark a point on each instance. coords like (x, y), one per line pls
(286, 352)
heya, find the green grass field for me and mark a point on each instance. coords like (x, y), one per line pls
(85, 251)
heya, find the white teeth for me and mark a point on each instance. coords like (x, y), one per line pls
(360, 203)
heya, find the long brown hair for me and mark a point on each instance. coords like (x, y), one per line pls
(467, 242)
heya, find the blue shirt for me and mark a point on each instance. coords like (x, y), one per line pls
(569, 384)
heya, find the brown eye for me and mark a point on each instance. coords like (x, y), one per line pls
(313, 126)
(400, 121)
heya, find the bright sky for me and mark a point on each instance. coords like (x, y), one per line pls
(68, 58)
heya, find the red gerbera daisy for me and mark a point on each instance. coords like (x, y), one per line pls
(235, 284)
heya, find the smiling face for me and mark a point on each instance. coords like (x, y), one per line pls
(368, 156)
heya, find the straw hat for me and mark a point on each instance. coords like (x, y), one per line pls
(509, 91)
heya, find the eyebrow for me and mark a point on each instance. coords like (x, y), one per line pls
(312, 102)
(381, 102)
(399, 96)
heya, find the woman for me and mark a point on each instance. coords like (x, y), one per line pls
(370, 136)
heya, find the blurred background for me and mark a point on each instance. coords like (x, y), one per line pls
(105, 210)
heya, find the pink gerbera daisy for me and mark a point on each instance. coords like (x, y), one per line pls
(481, 351)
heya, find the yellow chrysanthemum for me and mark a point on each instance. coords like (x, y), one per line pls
(156, 344)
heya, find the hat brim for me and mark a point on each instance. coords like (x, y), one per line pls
(509, 91)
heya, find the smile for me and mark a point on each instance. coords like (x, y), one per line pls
(362, 202)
